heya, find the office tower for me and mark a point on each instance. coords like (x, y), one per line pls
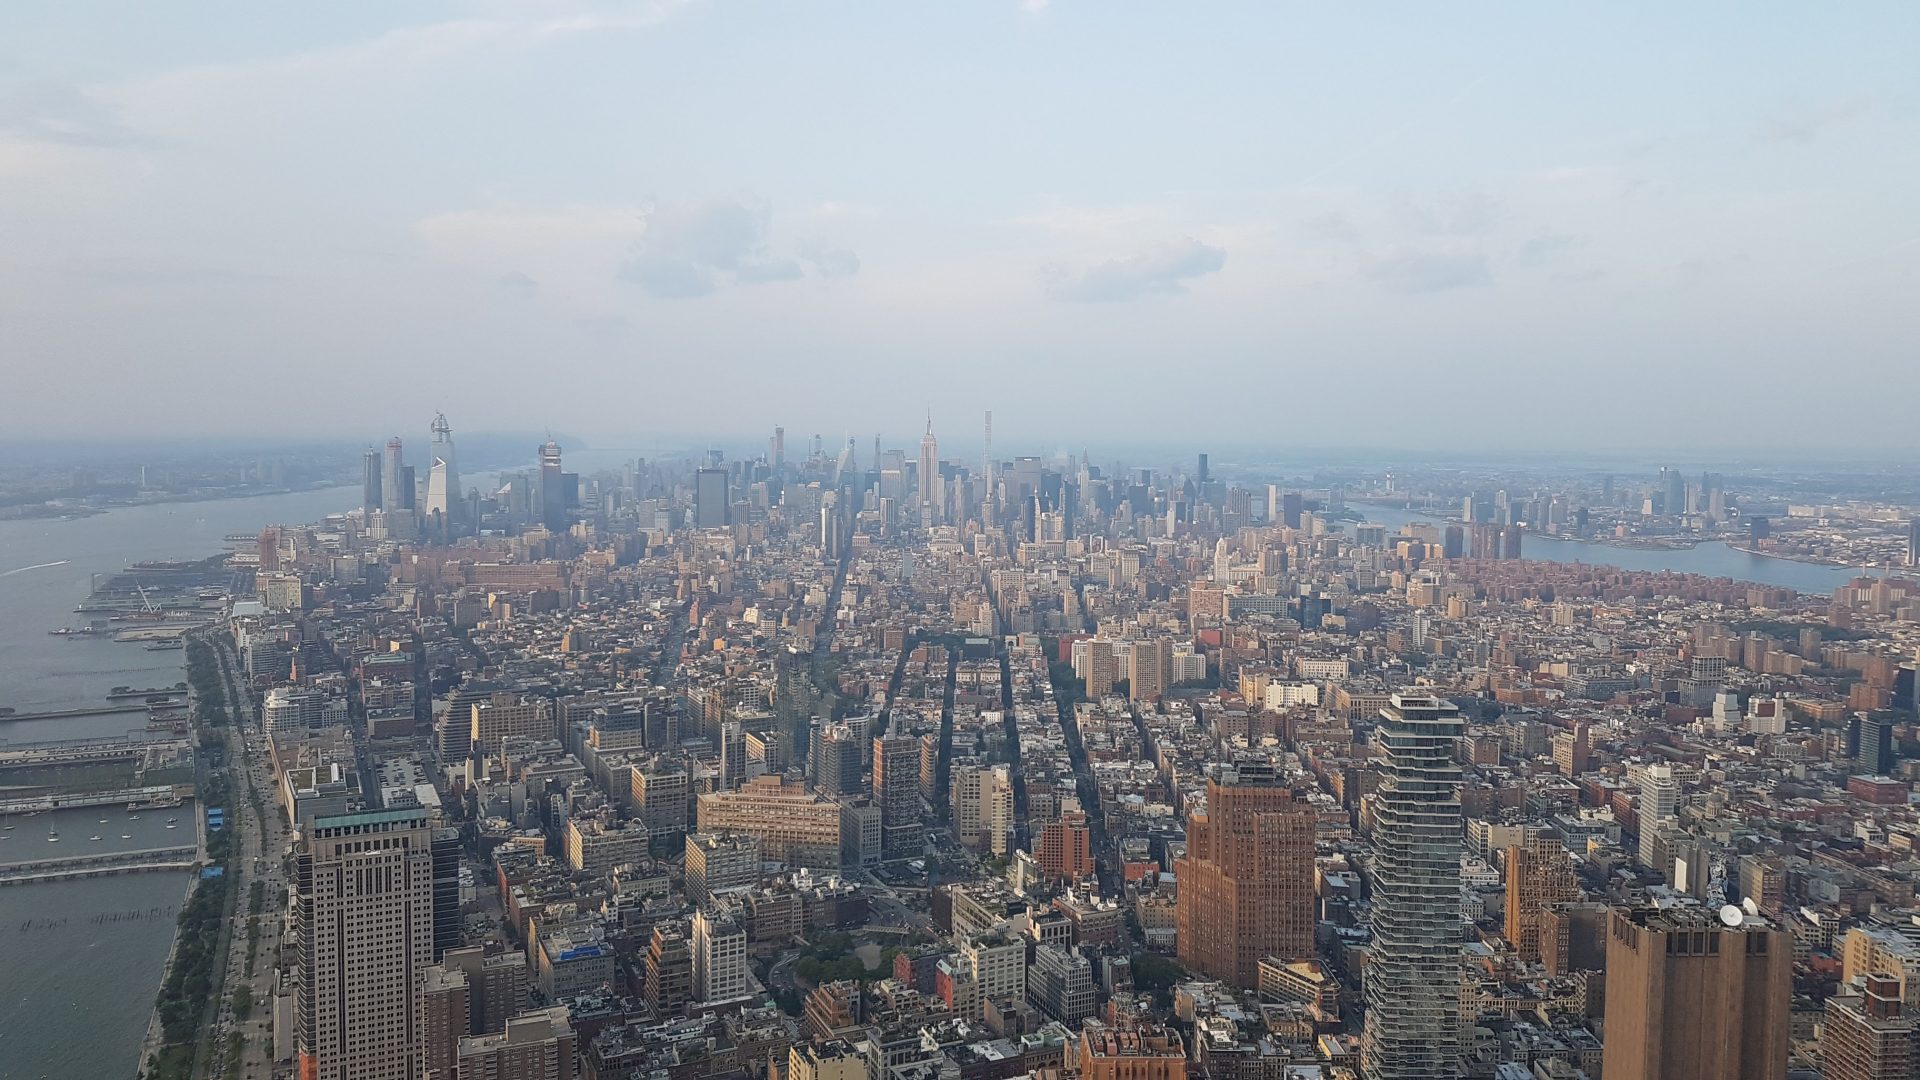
(495, 985)
(1246, 882)
(539, 1045)
(363, 888)
(393, 494)
(553, 488)
(669, 970)
(409, 492)
(983, 807)
(444, 497)
(929, 463)
(896, 787)
(660, 789)
(780, 448)
(1865, 1034)
(1148, 668)
(1412, 980)
(1202, 471)
(1222, 562)
(1689, 995)
(505, 715)
(710, 509)
(719, 958)
(371, 483)
(1539, 874)
(448, 931)
(1870, 745)
(1291, 507)
(1454, 545)
(834, 763)
(1913, 542)
(1659, 807)
(1511, 548)
(732, 755)
(720, 864)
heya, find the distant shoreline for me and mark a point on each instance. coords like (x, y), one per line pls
(75, 513)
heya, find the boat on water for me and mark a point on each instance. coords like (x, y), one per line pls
(164, 646)
(171, 825)
(126, 836)
(95, 836)
(53, 837)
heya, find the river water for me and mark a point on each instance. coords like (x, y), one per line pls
(80, 961)
(1713, 559)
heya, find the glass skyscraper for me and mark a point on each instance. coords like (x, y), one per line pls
(1412, 981)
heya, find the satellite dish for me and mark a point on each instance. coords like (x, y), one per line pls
(1749, 906)
(1732, 916)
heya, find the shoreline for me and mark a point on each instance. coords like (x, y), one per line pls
(79, 513)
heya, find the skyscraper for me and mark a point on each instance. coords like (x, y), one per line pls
(1538, 874)
(1412, 980)
(896, 787)
(371, 483)
(1693, 994)
(1246, 883)
(394, 494)
(710, 509)
(929, 464)
(719, 958)
(1659, 806)
(444, 502)
(553, 488)
(363, 889)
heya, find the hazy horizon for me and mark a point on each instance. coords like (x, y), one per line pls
(1520, 230)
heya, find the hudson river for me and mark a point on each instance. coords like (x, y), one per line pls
(82, 959)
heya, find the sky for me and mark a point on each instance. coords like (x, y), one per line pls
(1467, 225)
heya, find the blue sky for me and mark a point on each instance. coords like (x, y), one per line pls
(1483, 225)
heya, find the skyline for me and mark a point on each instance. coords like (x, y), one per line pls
(1491, 216)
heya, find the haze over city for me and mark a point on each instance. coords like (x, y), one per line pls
(1494, 228)
(1014, 540)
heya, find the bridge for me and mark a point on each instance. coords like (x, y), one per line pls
(111, 862)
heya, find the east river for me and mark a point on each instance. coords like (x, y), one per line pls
(80, 961)
(1711, 559)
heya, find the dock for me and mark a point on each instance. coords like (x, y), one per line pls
(183, 857)
(62, 714)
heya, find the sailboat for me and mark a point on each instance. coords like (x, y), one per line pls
(53, 834)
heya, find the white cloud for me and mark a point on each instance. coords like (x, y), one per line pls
(1164, 268)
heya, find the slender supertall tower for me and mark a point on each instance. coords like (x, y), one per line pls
(553, 495)
(1412, 978)
(929, 463)
(989, 471)
(443, 478)
(394, 496)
